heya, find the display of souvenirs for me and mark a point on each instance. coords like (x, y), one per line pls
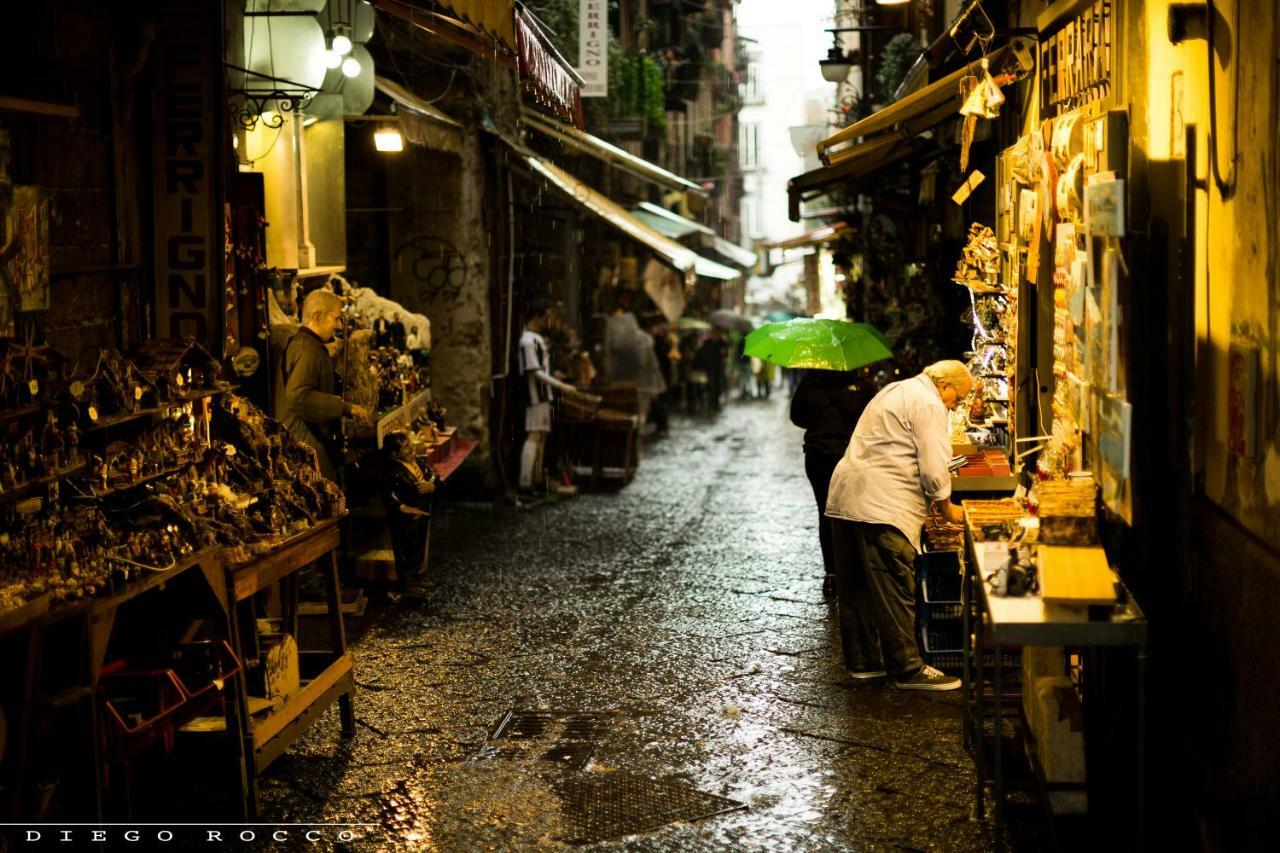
(979, 264)
(399, 377)
(172, 479)
(176, 368)
(942, 535)
(1067, 510)
(985, 516)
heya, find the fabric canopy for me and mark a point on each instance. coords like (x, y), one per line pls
(892, 134)
(744, 258)
(678, 227)
(937, 101)
(677, 256)
(601, 150)
(682, 259)
(422, 123)
(495, 17)
(816, 237)
(545, 74)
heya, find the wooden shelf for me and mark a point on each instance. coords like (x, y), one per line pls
(289, 556)
(307, 701)
(126, 417)
(20, 492)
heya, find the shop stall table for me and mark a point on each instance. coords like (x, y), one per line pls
(327, 676)
(996, 624)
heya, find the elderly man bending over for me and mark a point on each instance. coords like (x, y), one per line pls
(892, 474)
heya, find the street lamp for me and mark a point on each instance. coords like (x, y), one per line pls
(838, 64)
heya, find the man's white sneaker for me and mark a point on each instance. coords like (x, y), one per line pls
(928, 678)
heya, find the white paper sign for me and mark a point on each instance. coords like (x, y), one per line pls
(593, 48)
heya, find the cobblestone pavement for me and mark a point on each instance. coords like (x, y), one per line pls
(682, 619)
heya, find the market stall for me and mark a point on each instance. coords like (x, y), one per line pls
(136, 493)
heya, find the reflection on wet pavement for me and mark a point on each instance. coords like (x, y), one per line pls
(687, 611)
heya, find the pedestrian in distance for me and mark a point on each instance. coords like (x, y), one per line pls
(892, 475)
(540, 386)
(827, 405)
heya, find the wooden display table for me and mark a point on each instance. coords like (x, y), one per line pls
(994, 624)
(327, 676)
(67, 644)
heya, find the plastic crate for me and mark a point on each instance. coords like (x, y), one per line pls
(942, 636)
(930, 612)
(952, 662)
(940, 576)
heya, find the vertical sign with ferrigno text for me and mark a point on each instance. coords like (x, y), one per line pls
(188, 217)
(593, 48)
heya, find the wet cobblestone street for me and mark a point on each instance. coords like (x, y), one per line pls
(682, 619)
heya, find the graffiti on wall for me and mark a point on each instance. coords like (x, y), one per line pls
(438, 269)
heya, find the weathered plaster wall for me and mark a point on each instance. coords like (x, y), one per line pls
(440, 267)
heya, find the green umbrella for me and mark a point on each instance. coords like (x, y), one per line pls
(825, 344)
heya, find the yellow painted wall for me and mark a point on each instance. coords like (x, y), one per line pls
(272, 151)
(1237, 244)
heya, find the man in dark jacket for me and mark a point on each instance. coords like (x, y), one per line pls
(310, 409)
(827, 405)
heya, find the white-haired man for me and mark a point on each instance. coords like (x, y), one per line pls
(309, 408)
(892, 475)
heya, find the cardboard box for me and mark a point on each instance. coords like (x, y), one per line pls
(281, 678)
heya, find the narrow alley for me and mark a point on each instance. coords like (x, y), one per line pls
(681, 620)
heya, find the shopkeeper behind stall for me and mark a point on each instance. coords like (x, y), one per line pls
(309, 408)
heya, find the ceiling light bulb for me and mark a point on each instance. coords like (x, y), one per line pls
(351, 67)
(341, 44)
(388, 139)
(332, 59)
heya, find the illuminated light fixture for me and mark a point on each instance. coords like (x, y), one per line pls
(341, 44)
(892, 2)
(350, 67)
(838, 64)
(332, 59)
(388, 138)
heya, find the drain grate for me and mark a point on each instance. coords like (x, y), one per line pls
(613, 805)
(565, 738)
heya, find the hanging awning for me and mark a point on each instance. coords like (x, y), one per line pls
(545, 74)
(816, 237)
(664, 221)
(892, 133)
(867, 159)
(420, 122)
(501, 32)
(679, 227)
(612, 154)
(930, 105)
(680, 258)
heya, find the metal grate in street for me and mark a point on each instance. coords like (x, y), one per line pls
(614, 805)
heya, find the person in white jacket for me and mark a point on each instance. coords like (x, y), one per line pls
(540, 387)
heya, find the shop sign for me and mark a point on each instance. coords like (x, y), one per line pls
(1077, 60)
(593, 48)
(188, 217)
